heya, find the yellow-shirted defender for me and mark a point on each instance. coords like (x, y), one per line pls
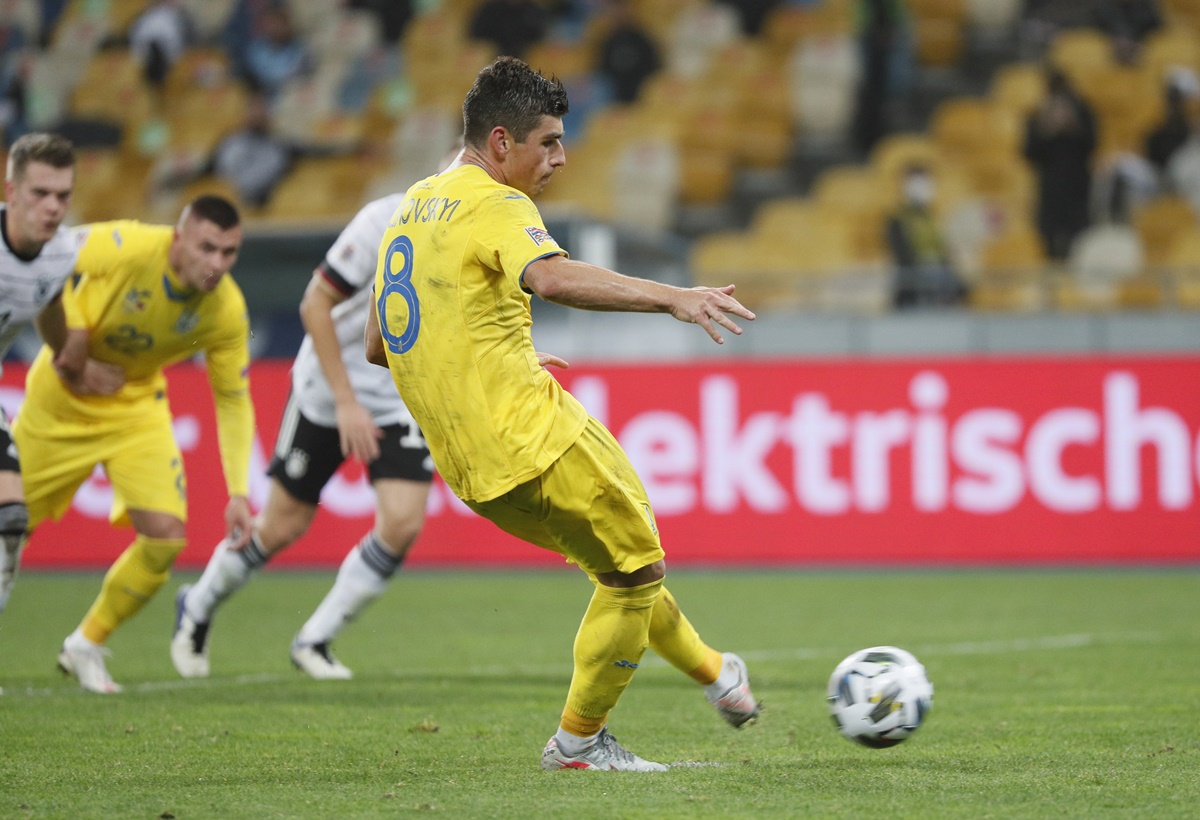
(145, 296)
(457, 265)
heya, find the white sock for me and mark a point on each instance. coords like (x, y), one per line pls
(227, 572)
(726, 680)
(573, 745)
(361, 579)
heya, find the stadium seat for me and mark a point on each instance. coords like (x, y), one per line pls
(697, 33)
(1170, 47)
(1161, 223)
(733, 257)
(993, 17)
(208, 17)
(1100, 260)
(893, 153)
(1079, 52)
(1011, 271)
(112, 89)
(940, 42)
(1184, 266)
(1019, 87)
(969, 126)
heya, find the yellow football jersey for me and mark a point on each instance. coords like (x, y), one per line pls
(456, 324)
(141, 317)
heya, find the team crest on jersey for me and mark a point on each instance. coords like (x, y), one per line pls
(135, 300)
(41, 291)
(186, 322)
(296, 465)
(539, 235)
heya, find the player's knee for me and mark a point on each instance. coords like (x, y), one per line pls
(397, 536)
(277, 532)
(14, 518)
(158, 554)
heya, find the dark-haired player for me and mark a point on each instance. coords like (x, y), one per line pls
(147, 296)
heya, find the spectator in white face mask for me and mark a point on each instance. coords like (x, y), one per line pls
(924, 275)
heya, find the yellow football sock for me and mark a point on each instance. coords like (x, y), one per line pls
(674, 638)
(608, 648)
(130, 582)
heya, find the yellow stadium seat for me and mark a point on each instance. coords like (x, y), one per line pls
(1161, 223)
(940, 42)
(1169, 47)
(112, 88)
(1019, 87)
(895, 152)
(1011, 272)
(1079, 52)
(1184, 268)
(320, 188)
(967, 126)
(760, 272)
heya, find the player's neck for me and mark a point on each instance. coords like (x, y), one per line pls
(21, 247)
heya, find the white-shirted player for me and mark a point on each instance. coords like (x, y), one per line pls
(340, 406)
(37, 256)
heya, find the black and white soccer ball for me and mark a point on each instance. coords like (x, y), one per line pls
(879, 696)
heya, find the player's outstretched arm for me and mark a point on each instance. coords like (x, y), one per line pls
(580, 285)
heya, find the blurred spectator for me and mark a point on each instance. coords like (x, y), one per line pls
(884, 40)
(14, 98)
(1127, 22)
(512, 26)
(924, 276)
(158, 36)
(276, 54)
(1060, 139)
(627, 55)
(394, 16)
(1042, 20)
(1182, 90)
(250, 158)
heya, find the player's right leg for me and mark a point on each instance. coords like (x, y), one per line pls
(306, 457)
(14, 515)
(617, 544)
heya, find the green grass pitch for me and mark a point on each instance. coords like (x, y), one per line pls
(1058, 693)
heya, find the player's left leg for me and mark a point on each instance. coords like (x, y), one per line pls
(724, 677)
(401, 476)
(146, 471)
(363, 575)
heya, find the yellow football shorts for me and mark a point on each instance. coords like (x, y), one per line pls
(139, 454)
(589, 505)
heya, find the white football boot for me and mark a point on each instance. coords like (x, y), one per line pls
(84, 661)
(316, 661)
(735, 703)
(189, 643)
(606, 755)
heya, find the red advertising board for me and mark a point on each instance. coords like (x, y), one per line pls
(1031, 460)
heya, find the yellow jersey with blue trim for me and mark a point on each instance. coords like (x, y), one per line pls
(140, 316)
(456, 324)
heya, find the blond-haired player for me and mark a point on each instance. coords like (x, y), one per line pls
(457, 265)
(147, 296)
(37, 255)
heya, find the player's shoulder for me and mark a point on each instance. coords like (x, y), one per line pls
(126, 236)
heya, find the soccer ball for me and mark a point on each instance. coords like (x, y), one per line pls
(879, 696)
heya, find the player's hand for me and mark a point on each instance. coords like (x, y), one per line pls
(710, 307)
(95, 378)
(357, 432)
(239, 522)
(548, 359)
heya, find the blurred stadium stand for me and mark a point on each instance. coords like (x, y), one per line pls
(732, 165)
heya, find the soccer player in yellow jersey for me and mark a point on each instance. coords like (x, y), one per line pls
(457, 265)
(146, 296)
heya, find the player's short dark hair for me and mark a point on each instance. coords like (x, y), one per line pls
(215, 209)
(510, 94)
(50, 149)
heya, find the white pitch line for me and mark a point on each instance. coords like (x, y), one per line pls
(997, 647)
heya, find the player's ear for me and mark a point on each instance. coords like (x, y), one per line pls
(500, 140)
